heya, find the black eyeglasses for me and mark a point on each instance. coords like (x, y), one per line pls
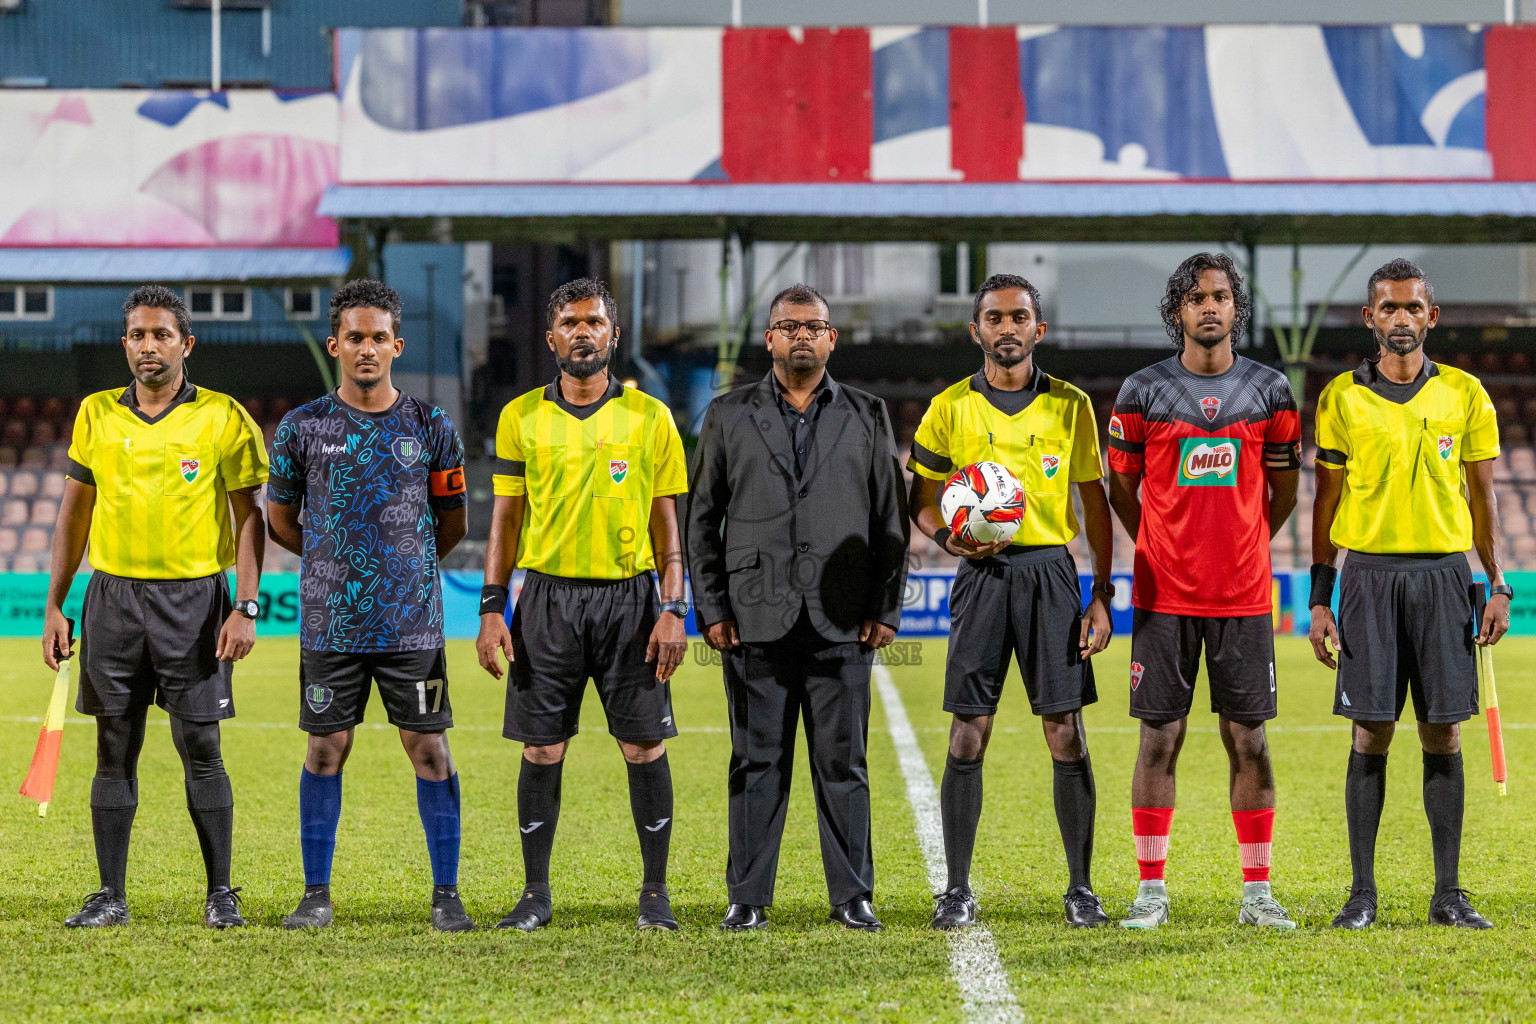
(790, 328)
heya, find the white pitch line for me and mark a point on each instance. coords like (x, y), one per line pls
(985, 993)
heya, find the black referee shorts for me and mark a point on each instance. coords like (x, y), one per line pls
(566, 631)
(148, 642)
(1023, 603)
(1406, 626)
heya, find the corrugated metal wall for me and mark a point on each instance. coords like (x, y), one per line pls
(71, 44)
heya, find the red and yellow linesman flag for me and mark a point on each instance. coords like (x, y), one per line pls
(45, 759)
(1490, 697)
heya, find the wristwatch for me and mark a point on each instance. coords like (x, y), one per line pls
(1502, 590)
(250, 609)
(1106, 588)
(678, 608)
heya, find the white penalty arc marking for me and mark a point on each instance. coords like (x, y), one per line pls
(985, 993)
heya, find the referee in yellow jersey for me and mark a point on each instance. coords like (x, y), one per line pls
(1405, 451)
(162, 484)
(1020, 598)
(586, 476)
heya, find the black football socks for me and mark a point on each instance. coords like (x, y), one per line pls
(538, 811)
(1444, 798)
(113, 805)
(960, 812)
(211, 803)
(1365, 793)
(1076, 802)
(650, 800)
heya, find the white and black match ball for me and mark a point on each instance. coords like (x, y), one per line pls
(983, 503)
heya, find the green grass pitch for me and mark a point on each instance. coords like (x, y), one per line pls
(381, 961)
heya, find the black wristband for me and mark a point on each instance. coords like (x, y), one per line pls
(941, 538)
(1323, 577)
(493, 599)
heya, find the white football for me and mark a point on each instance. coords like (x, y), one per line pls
(983, 503)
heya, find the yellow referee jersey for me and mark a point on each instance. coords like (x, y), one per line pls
(590, 473)
(1401, 447)
(1045, 433)
(162, 510)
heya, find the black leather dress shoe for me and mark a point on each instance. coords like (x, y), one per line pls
(1451, 908)
(744, 917)
(1359, 912)
(1084, 909)
(856, 914)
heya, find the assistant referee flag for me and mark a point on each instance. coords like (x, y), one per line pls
(1401, 447)
(590, 473)
(161, 482)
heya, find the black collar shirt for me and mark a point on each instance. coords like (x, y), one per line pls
(802, 425)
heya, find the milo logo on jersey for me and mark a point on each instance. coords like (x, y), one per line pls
(1209, 461)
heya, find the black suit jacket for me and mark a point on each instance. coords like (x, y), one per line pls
(762, 543)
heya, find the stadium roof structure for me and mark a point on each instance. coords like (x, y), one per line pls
(65, 266)
(1254, 212)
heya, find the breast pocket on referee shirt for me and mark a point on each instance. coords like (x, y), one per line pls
(190, 468)
(618, 472)
(1440, 448)
(1374, 455)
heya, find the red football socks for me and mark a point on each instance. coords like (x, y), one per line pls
(1255, 830)
(1151, 825)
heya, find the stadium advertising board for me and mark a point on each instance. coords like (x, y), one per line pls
(926, 612)
(91, 167)
(1010, 103)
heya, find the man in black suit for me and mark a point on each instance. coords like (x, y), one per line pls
(797, 539)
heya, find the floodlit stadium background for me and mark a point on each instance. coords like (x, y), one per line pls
(700, 155)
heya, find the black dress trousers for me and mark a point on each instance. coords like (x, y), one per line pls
(768, 687)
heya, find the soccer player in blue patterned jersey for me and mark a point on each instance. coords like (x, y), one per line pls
(379, 478)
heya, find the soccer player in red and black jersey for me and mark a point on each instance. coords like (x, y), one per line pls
(1212, 441)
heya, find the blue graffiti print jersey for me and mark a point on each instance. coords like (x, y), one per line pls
(370, 484)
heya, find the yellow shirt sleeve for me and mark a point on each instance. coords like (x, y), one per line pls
(1482, 440)
(668, 467)
(1086, 464)
(242, 452)
(930, 445)
(510, 477)
(82, 446)
(1332, 433)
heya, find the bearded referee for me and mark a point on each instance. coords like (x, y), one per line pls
(587, 472)
(162, 483)
(1405, 451)
(1018, 598)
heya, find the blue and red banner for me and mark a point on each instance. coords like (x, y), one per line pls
(849, 105)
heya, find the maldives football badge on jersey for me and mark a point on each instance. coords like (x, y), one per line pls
(618, 469)
(1050, 464)
(406, 450)
(190, 468)
(1446, 444)
(1136, 671)
(1209, 462)
(1210, 406)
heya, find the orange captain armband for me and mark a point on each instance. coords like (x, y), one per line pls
(448, 482)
